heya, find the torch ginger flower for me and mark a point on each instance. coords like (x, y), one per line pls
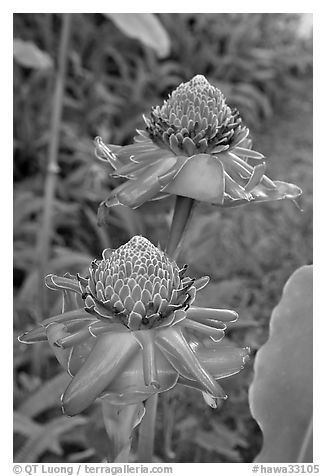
(130, 330)
(194, 146)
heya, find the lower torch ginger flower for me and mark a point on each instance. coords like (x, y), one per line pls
(129, 330)
(194, 146)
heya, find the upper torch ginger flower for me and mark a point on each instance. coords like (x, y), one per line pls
(194, 146)
(129, 330)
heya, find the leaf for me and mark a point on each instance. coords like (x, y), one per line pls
(42, 437)
(31, 431)
(47, 396)
(145, 27)
(24, 425)
(27, 54)
(281, 393)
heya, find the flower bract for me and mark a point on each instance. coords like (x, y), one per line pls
(195, 146)
(129, 329)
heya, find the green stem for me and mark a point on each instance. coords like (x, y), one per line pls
(182, 214)
(52, 167)
(147, 431)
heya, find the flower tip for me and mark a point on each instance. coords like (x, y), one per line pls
(199, 79)
(105, 154)
(214, 402)
(210, 400)
(218, 336)
(21, 338)
(33, 336)
(200, 283)
(49, 282)
(236, 315)
(233, 316)
(288, 190)
(68, 409)
(295, 193)
(63, 407)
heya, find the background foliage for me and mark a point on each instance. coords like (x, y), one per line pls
(264, 68)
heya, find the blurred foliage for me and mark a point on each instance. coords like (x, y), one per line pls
(264, 68)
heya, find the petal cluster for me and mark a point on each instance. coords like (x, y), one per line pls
(195, 146)
(130, 330)
(195, 119)
(139, 286)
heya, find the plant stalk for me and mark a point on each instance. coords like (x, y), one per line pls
(168, 402)
(147, 431)
(183, 210)
(52, 167)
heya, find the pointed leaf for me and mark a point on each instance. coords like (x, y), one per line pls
(29, 55)
(145, 27)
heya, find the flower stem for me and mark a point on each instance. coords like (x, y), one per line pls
(52, 167)
(147, 431)
(182, 214)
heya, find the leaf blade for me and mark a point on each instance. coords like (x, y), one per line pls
(145, 27)
(281, 393)
(27, 54)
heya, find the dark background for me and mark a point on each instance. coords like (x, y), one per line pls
(263, 64)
